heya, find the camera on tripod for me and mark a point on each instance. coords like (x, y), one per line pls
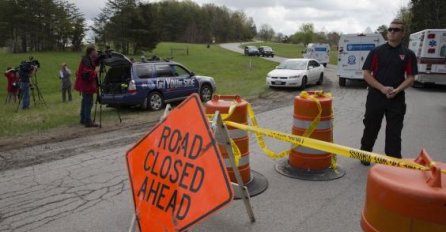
(27, 67)
(104, 54)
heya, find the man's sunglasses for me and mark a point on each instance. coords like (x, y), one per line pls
(394, 29)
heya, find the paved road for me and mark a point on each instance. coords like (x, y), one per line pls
(235, 47)
(89, 191)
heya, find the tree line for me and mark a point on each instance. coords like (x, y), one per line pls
(131, 25)
(40, 25)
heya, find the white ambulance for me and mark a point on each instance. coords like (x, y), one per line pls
(429, 47)
(352, 52)
(319, 52)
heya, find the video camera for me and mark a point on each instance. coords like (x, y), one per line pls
(104, 54)
(26, 67)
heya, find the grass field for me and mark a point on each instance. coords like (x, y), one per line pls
(291, 50)
(233, 73)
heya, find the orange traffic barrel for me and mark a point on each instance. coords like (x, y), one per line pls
(307, 163)
(255, 182)
(399, 199)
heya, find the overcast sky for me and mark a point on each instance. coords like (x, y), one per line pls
(285, 16)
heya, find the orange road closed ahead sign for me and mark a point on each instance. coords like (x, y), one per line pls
(176, 172)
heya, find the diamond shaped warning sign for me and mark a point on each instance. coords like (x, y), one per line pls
(176, 171)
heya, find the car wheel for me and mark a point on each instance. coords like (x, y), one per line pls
(321, 79)
(272, 56)
(304, 83)
(206, 93)
(342, 81)
(155, 101)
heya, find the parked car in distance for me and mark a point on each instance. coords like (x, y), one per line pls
(251, 51)
(266, 51)
(296, 73)
(150, 84)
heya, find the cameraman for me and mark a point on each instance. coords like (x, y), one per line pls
(25, 73)
(86, 84)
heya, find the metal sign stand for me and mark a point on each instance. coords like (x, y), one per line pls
(222, 137)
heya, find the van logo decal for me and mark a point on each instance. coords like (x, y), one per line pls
(351, 60)
(432, 43)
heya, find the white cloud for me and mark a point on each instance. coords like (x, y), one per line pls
(347, 16)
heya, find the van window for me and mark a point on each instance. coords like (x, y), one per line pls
(144, 71)
(163, 70)
(179, 71)
(320, 49)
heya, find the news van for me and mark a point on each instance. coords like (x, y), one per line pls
(319, 52)
(429, 47)
(352, 52)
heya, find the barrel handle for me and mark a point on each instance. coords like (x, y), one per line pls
(237, 98)
(425, 160)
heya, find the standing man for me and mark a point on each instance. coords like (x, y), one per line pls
(64, 75)
(25, 73)
(86, 84)
(388, 70)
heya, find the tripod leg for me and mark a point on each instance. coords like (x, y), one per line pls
(119, 114)
(34, 96)
(20, 100)
(95, 109)
(100, 115)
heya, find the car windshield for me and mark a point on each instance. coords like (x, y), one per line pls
(267, 49)
(293, 64)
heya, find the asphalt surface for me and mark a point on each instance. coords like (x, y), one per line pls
(89, 191)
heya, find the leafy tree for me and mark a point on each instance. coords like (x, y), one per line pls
(266, 32)
(305, 35)
(333, 38)
(425, 14)
(40, 25)
(382, 30)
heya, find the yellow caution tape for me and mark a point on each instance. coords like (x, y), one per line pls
(307, 132)
(332, 148)
(236, 152)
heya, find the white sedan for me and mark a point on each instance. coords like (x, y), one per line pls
(296, 73)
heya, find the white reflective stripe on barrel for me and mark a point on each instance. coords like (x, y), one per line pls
(305, 124)
(237, 133)
(309, 151)
(244, 160)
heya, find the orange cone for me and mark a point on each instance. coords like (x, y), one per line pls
(255, 182)
(399, 199)
(306, 163)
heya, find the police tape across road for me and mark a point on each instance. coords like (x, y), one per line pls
(332, 148)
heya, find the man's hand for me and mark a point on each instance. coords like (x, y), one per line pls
(393, 93)
(386, 90)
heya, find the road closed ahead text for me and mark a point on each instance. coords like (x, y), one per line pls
(171, 175)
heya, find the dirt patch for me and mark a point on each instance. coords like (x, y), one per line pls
(264, 102)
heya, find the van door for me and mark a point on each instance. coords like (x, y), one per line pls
(187, 84)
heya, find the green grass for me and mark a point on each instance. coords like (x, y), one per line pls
(233, 73)
(291, 50)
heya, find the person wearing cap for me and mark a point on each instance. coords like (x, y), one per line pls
(64, 75)
(388, 70)
(12, 86)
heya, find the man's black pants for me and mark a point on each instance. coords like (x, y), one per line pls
(394, 109)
